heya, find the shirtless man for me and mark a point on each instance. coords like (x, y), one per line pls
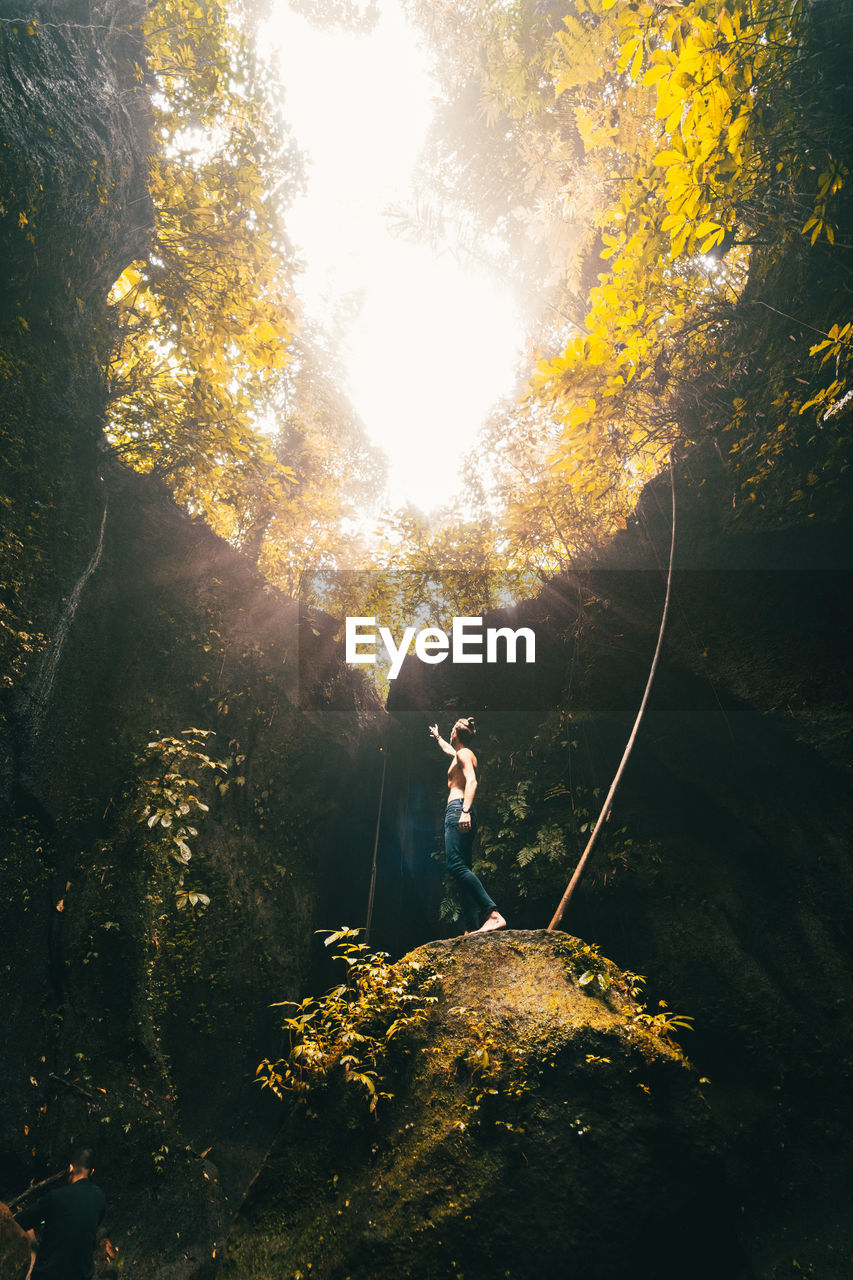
(460, 823)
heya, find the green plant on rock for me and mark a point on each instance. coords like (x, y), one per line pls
(586, 965)
(591, 971)
(169, 797)
(348, 1033)
(665, 1023)
(634, 983)
(498, 1074)
(595, 977)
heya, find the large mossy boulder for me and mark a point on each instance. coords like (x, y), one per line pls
(541, 1124)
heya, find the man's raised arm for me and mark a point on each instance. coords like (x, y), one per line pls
(445, 746)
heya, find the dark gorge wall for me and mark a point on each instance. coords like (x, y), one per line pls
(134, 1019)
(74, 210)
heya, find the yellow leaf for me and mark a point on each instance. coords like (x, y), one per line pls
(735, 133)
(628, 51)
(655, 73)
(725, 25)
(581, 414)
(674, 119)
(678, 243)
(669, 157)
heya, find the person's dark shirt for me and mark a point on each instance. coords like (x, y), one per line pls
(71, 1217)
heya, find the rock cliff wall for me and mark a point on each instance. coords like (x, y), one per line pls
(134, 1021)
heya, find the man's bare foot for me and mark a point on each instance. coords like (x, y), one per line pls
(494, 921)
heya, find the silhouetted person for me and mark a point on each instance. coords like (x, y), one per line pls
(460, 824)
(69, 1218)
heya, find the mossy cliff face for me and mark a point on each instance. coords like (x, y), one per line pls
(138, 1023)
(74, 211)
(131, 1024)
(537, 1129)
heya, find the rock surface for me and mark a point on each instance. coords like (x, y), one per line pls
(536, 1127)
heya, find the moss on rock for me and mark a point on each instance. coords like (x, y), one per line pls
(535, 1126)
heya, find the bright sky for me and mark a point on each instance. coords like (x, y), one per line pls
(433, 344)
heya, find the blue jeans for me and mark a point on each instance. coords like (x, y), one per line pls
(476, 903)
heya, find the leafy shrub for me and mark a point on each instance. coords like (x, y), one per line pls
(170, 798)
(348, 1033)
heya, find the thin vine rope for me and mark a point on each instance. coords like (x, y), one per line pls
(372, 893)
(605, 808)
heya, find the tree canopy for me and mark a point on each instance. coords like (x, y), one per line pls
(218, 386)
(203, 324)
(667, 185)
(669, 171)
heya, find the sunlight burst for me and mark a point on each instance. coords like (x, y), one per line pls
(428, 345)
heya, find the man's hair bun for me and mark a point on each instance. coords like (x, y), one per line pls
(466, 727)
